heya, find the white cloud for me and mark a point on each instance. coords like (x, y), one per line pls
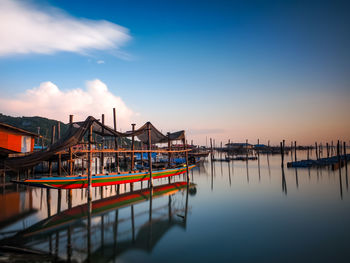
(49, 101)
(100, 62)
(25, 28)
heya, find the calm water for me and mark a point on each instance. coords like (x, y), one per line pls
(235, 212)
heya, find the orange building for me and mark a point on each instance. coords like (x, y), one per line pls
(15, 140)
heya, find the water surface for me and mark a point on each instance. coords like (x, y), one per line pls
(237, 211)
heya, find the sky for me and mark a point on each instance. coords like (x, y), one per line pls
(233, 70)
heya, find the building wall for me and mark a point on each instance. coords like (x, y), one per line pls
(12, 141)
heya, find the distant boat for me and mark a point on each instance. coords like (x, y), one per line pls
(81, 181)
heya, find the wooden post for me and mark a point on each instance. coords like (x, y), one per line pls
(59, 155)
(295, 151)
(103, 147)
(282, 155)
(150, 153)
(169, 149)
(141, 157)
(211, 149)
(327, 149)
(70, 148)
(186, 156)
(52, 142)
(316, 151)
(246, 148)
(116, 140)
(308, 152)
(133, 148)
(220, 150)
(89, 164)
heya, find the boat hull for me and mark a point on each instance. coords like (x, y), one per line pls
(77, 182)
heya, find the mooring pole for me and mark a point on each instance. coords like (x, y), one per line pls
(295, 151)
(70, 148)
(59, 155)
(150, 154)
(186, 156)
(169, 149)
(102, 159)
(327, 145)
(132, 154)
(89, 164)
(116, 140)
(316, 151)
(282, 155)
(133, 147)
(211, 149)
(52, 142)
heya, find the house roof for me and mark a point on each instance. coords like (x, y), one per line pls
(18, 130)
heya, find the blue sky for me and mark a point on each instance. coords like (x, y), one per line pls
(225, 69)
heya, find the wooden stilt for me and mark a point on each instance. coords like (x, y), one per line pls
(59, 163)
(116, 140)
(70, 149)
(89, 164)
(150, 154)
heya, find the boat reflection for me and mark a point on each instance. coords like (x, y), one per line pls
(74, 231)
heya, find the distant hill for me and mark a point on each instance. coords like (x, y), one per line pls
(32, 123)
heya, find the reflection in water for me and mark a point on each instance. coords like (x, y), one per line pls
(284, 183)
(340, 184)
(69, 224)
(246, 163)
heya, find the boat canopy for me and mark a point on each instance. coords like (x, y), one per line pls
(76, 133)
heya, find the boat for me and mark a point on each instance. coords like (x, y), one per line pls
(81, 181)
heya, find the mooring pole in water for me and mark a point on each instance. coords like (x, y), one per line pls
(282, 155)
(150, 153)
(327, 145)
(116, 140)
(246, 149)
(295, 151)
(332, 148)
(211, 149)
(308, 152)
(89, 164)
(316, 152)
(344, 145)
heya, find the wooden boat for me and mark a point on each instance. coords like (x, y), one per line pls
(81, 181)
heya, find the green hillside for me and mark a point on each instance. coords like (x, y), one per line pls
(32, 123)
